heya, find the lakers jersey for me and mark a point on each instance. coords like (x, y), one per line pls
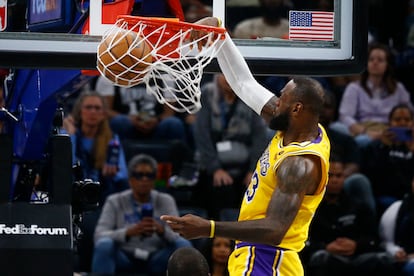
(263, 183)
(256, 201)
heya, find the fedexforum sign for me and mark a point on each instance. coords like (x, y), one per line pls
(21, 229)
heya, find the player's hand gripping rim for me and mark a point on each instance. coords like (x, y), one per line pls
(198, 34)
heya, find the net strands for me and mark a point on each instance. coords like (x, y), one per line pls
(174, 72)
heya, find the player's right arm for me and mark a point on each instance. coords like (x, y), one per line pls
(297, 176)
(239, 77)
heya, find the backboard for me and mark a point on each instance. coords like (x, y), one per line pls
(343, 53)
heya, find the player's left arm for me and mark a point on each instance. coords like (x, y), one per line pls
(296, 176)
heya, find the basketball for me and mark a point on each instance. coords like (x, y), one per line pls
(123, 57)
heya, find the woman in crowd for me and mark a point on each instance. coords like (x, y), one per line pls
(366, 103)
(91, 138)
(217, 251)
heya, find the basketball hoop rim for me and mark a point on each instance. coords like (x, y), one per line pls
(174, 57)
(171, 23)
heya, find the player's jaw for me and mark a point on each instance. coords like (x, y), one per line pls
(280, 122)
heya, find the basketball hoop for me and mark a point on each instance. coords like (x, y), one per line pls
(175, 58)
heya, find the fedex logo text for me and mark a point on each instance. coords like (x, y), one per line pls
(21, 229)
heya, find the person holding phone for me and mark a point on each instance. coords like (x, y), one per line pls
(388, 162)
(129, 236)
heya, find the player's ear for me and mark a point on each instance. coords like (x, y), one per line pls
(297, 107)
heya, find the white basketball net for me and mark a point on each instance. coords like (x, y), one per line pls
(173, 77)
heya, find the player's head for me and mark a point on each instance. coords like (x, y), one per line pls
(187, 261)
(301, 101)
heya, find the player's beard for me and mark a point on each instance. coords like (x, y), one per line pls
(280, 122)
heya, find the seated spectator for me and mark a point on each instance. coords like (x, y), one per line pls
(366, 103)
(91, 136)
(134, 113)
(229, 139)
(342, 237)
(343, 146)
(129, 236)
(217, 252)
(396, 232)
(187, 261)
(389, 161)
(272, 23)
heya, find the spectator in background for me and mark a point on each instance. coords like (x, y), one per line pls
(342, 237)
(187, 261)
(366, 103)
(389, 161)
(135, 114)
(130, 236)
(217, 252)
(91, 136)
(344, 147)
(272, 23)
(229, 139)
(396, 232)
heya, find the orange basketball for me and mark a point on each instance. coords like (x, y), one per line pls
(119, 62)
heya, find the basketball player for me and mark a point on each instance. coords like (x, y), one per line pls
(288, 183)
(187, 261)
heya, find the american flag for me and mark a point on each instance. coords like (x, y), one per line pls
(311, 25)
